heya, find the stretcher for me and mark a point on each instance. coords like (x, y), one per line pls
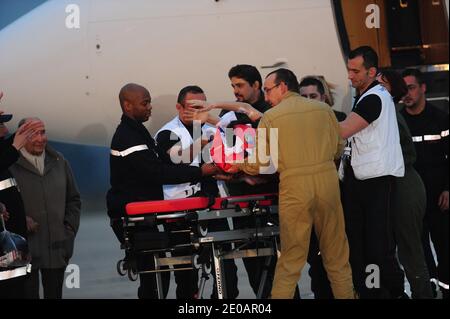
(15, 256)
(175, 235)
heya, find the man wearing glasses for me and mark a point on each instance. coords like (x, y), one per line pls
(307, 142)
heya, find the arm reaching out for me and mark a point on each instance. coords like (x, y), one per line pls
(239, 107)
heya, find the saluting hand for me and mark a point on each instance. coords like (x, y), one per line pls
(26, 132)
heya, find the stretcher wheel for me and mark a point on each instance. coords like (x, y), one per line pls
(202, 230)
(195, 262)
(206, 268)
(121, 267)
(132, 274)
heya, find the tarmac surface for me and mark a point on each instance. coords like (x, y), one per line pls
(97, 252)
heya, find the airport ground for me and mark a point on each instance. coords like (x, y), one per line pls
(97, 252)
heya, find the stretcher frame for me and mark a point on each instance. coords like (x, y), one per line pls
(208, 246)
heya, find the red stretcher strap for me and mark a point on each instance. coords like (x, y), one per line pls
(166, 206)
(188, 204)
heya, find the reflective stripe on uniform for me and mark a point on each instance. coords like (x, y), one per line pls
(129, 151)
(431, 137)
(14, 273)
(7, 183)
(418, 139)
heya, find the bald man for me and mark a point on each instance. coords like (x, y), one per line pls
(137, 173)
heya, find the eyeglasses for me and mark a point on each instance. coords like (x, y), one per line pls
(267, 90)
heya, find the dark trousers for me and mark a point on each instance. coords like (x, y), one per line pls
(186, 280)
(436, 226)
(52, 281)
(229, 266)
(409, 204)
(255, 266)
(393, 277)
(148, 288)
(366, 211)
(13, 288)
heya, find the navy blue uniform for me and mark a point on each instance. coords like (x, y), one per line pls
(430, 130)
(10, 197)
(137, 174)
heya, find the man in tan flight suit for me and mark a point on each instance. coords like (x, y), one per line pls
(308, 142)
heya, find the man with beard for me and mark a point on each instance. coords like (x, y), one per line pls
(430, 129)
(246, 82)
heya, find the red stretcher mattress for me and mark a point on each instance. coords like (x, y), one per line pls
(191, 204)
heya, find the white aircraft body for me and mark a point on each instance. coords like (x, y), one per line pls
(69, 73)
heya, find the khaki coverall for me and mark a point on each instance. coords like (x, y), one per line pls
(308, 142)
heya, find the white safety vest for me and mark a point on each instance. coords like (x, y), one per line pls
(184, 190)
(376, 150)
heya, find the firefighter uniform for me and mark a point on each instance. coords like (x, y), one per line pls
(10, 197)
(137, 174)
(430, 130)
(408, 210)
(309, 190)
